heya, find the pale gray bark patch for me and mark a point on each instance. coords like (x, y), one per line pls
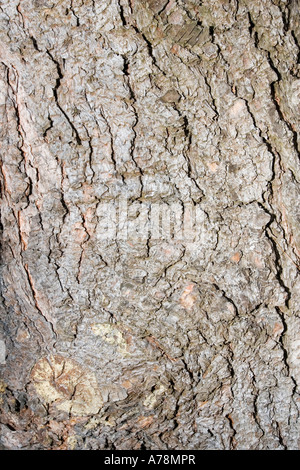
(181, 345)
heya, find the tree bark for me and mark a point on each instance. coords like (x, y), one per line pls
(140, 330)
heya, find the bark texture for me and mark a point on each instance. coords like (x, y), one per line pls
(152, 343)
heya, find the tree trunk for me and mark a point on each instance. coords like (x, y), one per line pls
(150, 224)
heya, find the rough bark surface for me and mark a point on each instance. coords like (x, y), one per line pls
(150, 343)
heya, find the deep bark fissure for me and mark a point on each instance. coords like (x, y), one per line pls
(55, 94)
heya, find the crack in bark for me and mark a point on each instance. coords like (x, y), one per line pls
(255, 399)
(74, 14)
(277, 257)
(49, 127)
(126, 71)
(275, 99)
(55, 94)
(228, 299)
(82, 245)
(149, 48)
(90, 156)
(21, 132)
(112, 148)
(36, 303)
(233, 442)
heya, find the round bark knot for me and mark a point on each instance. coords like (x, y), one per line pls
(65, 384)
